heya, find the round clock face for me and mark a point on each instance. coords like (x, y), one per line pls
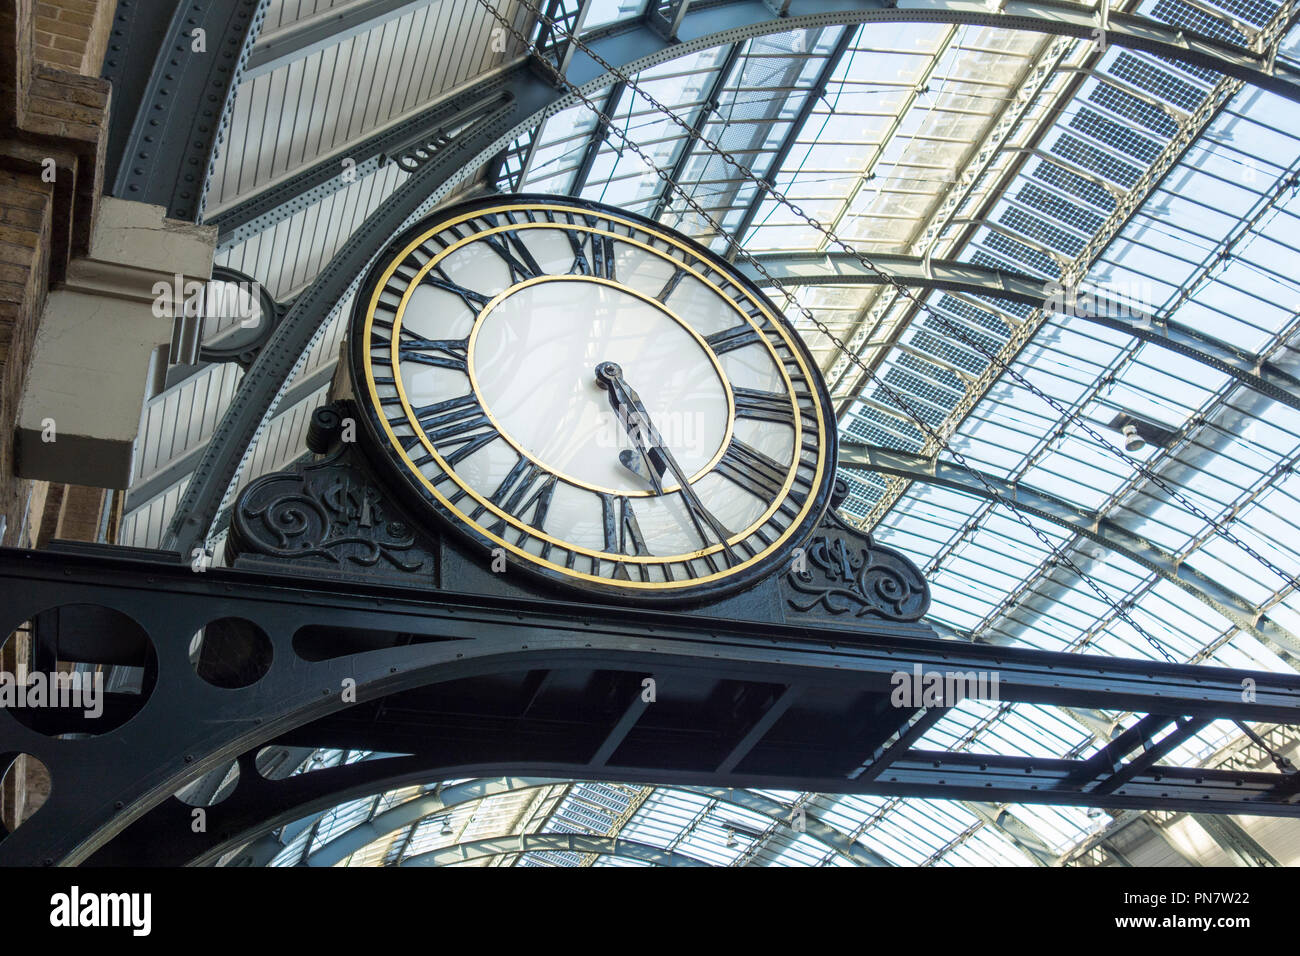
(604, 401)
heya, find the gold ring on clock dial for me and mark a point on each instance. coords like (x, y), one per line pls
(475, 343)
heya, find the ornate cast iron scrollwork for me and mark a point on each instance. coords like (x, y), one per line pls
(844, 572)
(326, 512)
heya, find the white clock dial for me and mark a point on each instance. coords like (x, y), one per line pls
(692, 463)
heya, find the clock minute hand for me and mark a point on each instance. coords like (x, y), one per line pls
(629, 407)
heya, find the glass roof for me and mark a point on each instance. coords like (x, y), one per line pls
(1167, 185)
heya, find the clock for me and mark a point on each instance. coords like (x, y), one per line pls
(586, 395)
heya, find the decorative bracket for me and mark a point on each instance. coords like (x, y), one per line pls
(329, 514)
(843, 572)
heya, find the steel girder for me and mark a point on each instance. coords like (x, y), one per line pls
(1103, 531)
(739, 20)
(412, 811)
(1234, 841)
(527, 101)
(111, 792)
(174, 67)
(817, 269)
(555, 842)
(304, 37)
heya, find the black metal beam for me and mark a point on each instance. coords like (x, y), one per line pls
(894, 749)
(174, 67)
(467, 644)
(1110, 758)
(1104, 531)
(259, 806)
(1184, 730)
(830, 268)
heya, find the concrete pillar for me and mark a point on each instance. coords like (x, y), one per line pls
(86, 384)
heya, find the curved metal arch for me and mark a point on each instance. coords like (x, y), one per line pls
(541, 842)
(413, 811)
(817, 268)
(243, 352)
(178, 64)
(1109, 534)
(416, 809)
(531, 101)
(738, 20)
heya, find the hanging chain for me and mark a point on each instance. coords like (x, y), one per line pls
(1058, 554)
(899, 289)
(1279, 760)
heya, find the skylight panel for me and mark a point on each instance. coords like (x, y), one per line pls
(1155, 78)
(1121, 103)
(1080, 153)
(1185, 15)
(1098, 128)
(603, 13)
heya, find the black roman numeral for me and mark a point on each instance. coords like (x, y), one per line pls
(736, 337)
(439, 280)
(516, 255)
(512, 496)
(593, 254)
(623, 535)
(763, 406)
(622, 530)
(442, 353)
(459, 423)
(752, 470)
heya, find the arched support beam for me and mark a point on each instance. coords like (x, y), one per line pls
(1015, 830)
(412, 811)
(405, 814)
(174, 67)
(528, 101)
(558, 842)
(118, 784)
(1103, 531)
(634, 46)
(818, 269)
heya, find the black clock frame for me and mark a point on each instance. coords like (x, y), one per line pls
(375, 445)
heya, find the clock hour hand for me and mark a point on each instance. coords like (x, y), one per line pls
(658, 459)
(631, 411)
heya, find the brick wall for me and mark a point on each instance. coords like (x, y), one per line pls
(26, 209)
(53, 132)
(72, 35)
